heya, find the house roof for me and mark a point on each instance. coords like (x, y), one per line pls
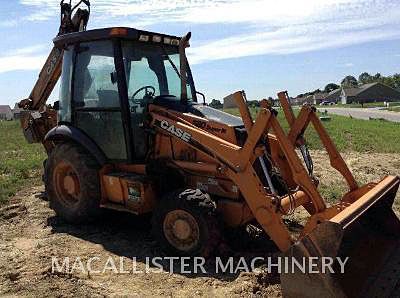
(358, 90)
(320, 95)
(5, 109)
(301, 100)
(373, 91)
(333, 95)
(351, 91)
(365, 86)
(335, 92)
(378, 90)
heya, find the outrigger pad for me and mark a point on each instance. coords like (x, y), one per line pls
(369, 242)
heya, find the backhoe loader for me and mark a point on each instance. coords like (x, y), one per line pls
(129, 134)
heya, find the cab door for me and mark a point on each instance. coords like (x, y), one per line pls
(143, 86)
(96, 101)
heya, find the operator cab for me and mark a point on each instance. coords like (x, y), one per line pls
(109, 76)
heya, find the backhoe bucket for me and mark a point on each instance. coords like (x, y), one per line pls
(367, 232)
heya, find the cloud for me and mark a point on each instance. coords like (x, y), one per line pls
(8, 23)
(12, 63)
(27, 58)
(278, 43)
(28, 50)
(251, 27)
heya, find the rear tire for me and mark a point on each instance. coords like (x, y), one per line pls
(72, 183)
(185, 224)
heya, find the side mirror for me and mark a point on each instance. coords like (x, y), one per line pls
(56, 105)
(202, 95)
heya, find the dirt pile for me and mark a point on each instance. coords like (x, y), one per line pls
(30, 235)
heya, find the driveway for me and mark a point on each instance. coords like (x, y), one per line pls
(365, 113)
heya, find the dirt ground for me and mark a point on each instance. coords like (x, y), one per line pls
(31, 234)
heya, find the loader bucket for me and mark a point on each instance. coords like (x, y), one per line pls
(368, 233)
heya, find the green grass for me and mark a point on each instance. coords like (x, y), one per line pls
(366, 105)
(394, 109)
(350, 134)
(330, 192)
(20, 162)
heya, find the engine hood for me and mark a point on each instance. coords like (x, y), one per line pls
(219, 116)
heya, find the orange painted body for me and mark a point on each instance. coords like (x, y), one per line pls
(215, 163)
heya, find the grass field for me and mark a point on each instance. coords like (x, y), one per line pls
(20, 162)
(351, 134)
(394, 109)
(366, 105)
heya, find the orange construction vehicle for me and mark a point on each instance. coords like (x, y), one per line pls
(129, 134)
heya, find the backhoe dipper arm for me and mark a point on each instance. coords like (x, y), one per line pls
(51, 70)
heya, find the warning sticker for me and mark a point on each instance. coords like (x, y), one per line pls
(133, 194)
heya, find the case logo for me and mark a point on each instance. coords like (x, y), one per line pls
(175, 131)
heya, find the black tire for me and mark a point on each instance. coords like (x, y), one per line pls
(84, 204)
(203, 240)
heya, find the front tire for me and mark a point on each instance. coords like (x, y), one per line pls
(185, 224)
(72, 183)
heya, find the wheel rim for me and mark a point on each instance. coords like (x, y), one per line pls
(66, 183)
(181, 230)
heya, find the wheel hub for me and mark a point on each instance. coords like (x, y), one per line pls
(66, 182)
(181, 230)
(70, 184)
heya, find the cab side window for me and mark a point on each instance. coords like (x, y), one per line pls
(93, 85)
(96, 98)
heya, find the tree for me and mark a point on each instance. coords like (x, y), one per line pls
(330, 87)
(349, 81)
(377, 77)
(396, 80)
(315, 91)
(365, 78)
(216, 104)
(253, 103)
(389, 81)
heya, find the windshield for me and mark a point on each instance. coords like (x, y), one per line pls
(156, 66)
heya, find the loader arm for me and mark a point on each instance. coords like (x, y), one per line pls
(361, 226)
(352, 227)
(237, 163)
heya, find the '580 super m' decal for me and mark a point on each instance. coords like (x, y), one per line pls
(175, 131)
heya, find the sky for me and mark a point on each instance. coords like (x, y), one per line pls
(260, 46)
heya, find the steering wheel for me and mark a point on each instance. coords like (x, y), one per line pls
(148, 94)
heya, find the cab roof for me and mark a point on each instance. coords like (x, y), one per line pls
(115, 32)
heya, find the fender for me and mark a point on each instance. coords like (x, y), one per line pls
(79, 137)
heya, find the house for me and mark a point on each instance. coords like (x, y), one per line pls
(17, 111)
(305, 99)
(229, 103)
(6, 113)
(366, 93)
(318, 97)
(349, 95)
(293, 101)
(334, 96)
